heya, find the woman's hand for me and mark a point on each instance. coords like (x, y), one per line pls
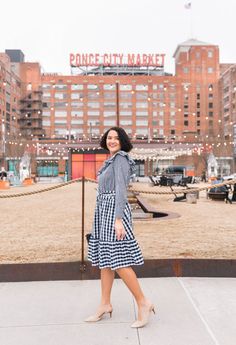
(120, 230)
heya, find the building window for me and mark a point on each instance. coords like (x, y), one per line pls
(109, 113)
(92, 87)
(210, 113)
(125, 105)
(210, 53)
(141, 105)
(93, 105)
(76, 104)
(93, 95)
(198, 114)
(60, 113)
(60, 122)
(198, 55)
(141, 113)
(142, 95)
(124, 87)
(172, 113)
(125, 95)
(141, 123)
(172, 122)
(93, 113)
(198, 95)
(59, 95)
(185, 106)
(198, 123)
(185, 70)
(186, 123)
(77, 122)
(46, 86)
(60, 87)
(77, 113)
(125, 113)
(46, 123)
(172, 131)
(77, 87)
(210, 105)
(198, 104)
(60, 104)
(109, 122)
(93, 122)
(161, 123)
(109, 95)
(126, 122)
(46, 95)
(210, 69)
(109, 104)
(141, 87)
(109, 86)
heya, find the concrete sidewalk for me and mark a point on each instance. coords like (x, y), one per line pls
(189, 311)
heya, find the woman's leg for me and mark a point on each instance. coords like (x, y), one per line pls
(129, 277)
(107, 278)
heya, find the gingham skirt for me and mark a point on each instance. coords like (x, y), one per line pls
(104, 249)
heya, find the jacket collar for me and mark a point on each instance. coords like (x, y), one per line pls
(111, 159)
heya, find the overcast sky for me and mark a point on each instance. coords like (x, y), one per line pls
(47, 31)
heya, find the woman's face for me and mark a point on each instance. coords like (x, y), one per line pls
(113, 142)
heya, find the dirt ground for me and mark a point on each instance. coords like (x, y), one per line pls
(46, 227)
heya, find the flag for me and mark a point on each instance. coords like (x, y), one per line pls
(188, 5)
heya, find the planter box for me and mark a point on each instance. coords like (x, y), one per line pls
(4, 185)
(28, 181)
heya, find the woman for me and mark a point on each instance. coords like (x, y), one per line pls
(112, 245)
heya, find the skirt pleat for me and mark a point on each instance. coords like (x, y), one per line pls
(104, 250)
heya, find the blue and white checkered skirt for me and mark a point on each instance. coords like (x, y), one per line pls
(104, 249)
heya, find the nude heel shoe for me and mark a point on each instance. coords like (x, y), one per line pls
(98, 316)
(145, 317)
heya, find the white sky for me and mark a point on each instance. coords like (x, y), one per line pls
(48, 30)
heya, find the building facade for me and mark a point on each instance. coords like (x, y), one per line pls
(189, 107)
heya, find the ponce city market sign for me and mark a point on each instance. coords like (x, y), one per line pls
(139, 60)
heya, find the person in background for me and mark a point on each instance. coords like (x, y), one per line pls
(3, 174)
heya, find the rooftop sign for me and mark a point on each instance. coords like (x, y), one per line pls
(132, 60)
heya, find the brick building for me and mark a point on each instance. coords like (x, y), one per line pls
(152, 105)
(155, 104)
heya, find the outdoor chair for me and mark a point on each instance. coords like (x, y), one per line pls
(154, 182)
(166, 181)
(183, 182)
(178, 198)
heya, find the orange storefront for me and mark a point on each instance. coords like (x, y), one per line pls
(87, 163)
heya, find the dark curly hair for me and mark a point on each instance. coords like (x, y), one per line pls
(125, 142)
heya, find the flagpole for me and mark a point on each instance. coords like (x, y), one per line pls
(191, 21)
(188, 7)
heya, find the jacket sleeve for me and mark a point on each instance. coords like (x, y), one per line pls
(121, 173)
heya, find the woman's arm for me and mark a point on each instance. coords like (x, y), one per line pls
(121, 172)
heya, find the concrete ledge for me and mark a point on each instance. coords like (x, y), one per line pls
(157, 214)
(151, 268)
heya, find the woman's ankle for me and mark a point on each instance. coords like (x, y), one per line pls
(105, 303)
(143, 302)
